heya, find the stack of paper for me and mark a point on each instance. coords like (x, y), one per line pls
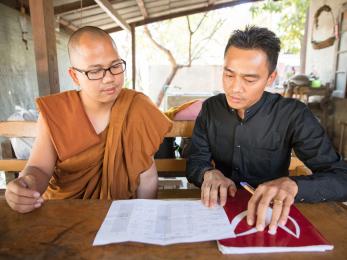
(162, 222)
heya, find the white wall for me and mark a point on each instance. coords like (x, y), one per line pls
(321, 61)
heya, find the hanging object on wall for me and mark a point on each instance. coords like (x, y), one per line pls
(23, 25)
(329, 41)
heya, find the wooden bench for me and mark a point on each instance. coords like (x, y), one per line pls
(22, 129)
(166, 167)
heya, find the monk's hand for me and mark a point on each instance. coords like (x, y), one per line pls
(216, 186)
(281, 194)
(21, 195)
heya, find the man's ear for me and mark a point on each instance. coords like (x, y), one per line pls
(73, 75)
(272, 78)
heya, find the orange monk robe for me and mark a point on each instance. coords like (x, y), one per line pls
(108, 165)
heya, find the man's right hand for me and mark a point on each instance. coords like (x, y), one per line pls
(214, 186)
(21, 195)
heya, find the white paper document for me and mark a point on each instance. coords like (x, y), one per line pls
(162, 222)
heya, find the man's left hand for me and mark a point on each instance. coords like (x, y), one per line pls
(281, 192)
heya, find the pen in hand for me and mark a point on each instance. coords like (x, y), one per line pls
(251, 190)
(247, 187)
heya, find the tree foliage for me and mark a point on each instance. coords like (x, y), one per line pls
(291, 25)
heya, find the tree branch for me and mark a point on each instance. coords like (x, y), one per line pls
(167, 52)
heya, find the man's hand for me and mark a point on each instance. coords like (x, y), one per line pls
(281, 192)
(214, 186)
(21, 194)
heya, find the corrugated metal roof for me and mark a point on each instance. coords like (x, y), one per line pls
(75, 14)
(72, 14)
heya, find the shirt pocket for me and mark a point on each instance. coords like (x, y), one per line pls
(269, 142)
(263, 156)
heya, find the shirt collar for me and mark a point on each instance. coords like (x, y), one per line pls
(251, 111)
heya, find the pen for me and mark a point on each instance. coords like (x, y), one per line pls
(247, 187)
(251, 190)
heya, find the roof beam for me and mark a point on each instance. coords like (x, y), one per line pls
(74, 6)
(108, 8)
(67, 24)
(211, 2)
(143, 9)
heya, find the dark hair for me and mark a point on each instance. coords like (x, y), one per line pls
(257, 38)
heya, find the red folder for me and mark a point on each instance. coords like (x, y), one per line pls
(298, 235)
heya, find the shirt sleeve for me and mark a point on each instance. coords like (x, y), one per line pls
(199, 160)
(329, 173)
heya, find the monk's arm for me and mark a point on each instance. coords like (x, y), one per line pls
(148, 184)
(42, 159)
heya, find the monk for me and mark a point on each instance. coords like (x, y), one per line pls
(95, 143)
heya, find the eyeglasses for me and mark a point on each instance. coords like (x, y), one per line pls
(115, 69)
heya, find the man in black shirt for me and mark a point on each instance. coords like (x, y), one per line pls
(249, 134)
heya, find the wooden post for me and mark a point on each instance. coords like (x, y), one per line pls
(133, 55)
(42, 21)
(7, 153)
(303, 51)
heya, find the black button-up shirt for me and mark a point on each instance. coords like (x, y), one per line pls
(258, 148)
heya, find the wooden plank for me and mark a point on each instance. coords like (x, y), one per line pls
(142, 7)
(179, 194)
(211, 2)
(167, 174)
(29, 129)
(18, 128)
(13, 165)
(170, 165)
(7, 153)
(182, 129)
(73, 7)
(43, 26)
(107, 7)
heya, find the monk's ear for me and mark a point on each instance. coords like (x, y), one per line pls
(73, 75)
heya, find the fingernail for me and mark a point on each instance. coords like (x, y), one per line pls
(250, 222)
(36, 195)
(37, 205)
(272, 230)
(40, 200)
(260, 227)
(283, 222)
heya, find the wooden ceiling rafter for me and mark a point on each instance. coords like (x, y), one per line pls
(143, 9)
(184, 13)
(108, 8)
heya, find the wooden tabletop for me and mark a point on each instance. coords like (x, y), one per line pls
(65, 229)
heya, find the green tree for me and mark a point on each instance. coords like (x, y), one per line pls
(291, 26)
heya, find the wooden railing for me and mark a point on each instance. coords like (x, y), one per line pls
(166, 167)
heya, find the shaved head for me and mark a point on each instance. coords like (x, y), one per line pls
(86, 35)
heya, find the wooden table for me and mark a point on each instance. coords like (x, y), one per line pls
(65, 229)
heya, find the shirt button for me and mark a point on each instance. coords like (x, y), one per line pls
(236, 168)
(241, 123)
(301, 200)
(238, 146)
